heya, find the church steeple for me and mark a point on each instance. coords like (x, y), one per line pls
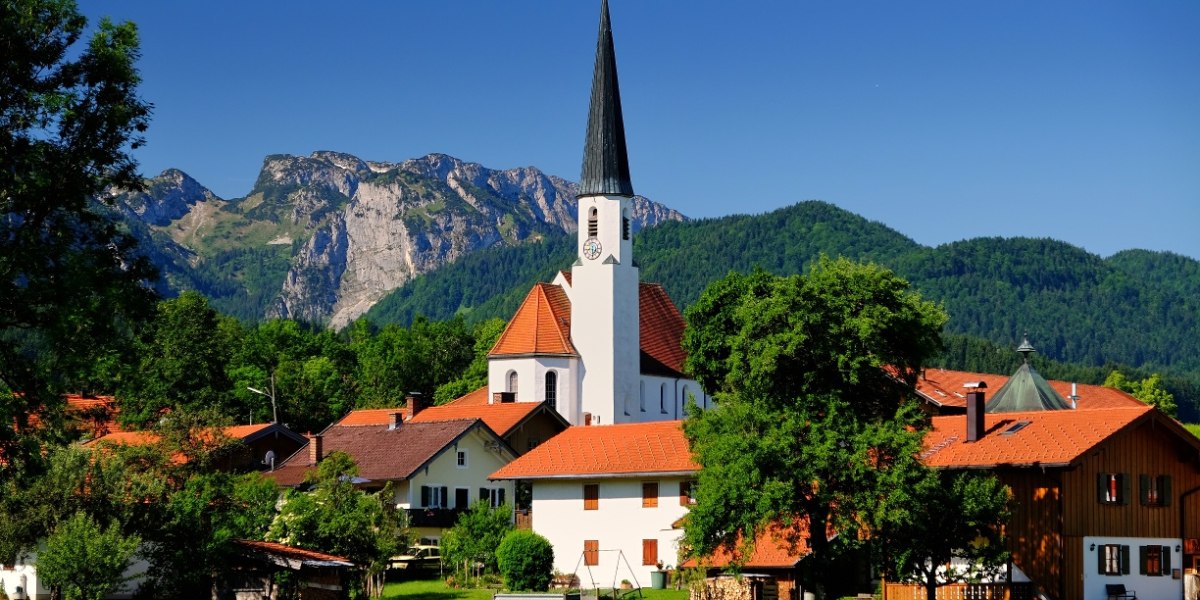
(605, 161)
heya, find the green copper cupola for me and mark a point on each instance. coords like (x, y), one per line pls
(605, 160)
(1026, 390)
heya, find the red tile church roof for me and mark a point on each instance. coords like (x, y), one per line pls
(542, 325)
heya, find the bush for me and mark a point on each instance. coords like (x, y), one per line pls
(526, 561)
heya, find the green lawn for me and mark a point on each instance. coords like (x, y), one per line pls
(435, 589)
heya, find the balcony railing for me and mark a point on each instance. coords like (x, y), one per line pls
(433, 517)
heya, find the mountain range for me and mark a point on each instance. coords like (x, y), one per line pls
(329, 237)
(322, 238)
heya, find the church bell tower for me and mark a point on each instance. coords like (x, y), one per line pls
(604, 286)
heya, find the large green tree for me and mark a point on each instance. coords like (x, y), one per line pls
(84, 559)
(70, 281)
(813, 379)
(945, 527)
(338, 518)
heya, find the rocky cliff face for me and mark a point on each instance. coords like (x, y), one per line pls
(362, 229)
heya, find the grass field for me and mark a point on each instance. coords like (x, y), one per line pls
(435, 589)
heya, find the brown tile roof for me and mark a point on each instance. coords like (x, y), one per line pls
(381, 453)
(661, 330)
(542, 325)
(606, 451)
(293, 552)
(1048, 438)
(778, 547)
(945, 388)
(500, 417)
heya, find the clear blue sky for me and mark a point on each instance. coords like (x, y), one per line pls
(1077, 120)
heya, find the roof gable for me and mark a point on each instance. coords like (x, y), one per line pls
(542, 325)
(606, 451)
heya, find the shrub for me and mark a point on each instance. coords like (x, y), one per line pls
(526, 560)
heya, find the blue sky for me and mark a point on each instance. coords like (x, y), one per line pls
(1077, 120)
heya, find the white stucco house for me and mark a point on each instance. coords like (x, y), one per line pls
(609, 498)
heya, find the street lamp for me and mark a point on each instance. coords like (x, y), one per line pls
(271, 395)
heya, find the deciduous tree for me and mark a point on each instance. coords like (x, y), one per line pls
(813, 381)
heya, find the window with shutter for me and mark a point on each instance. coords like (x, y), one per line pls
(1112, 488)
(591, 496)
(425, 496)
(591, 552)
(649, 552)
(1154, 490)
(1114, 559)
(650, 495)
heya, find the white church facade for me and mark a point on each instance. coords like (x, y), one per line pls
(598, 344)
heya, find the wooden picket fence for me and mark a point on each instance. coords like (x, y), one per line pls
(961, 591)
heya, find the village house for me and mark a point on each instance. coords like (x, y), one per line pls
(1103, 485)
(609, 498)
(436, 468)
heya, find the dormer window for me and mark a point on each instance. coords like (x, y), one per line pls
(593, 222)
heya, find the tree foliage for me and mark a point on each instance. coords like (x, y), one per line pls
(526, 561)
(949, 529)
(71, 283)
(1149, 390)
(812, 376)
(338, 518)
(86, 559)
(475, 537)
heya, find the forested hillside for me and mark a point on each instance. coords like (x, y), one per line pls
(1139, 309)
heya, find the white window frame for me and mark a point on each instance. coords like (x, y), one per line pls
(461, 459)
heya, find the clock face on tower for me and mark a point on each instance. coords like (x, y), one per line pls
(591, 248)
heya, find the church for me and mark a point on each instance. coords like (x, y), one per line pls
(597, 344)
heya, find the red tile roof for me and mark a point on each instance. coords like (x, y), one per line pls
(369, 416)
(945, 388)
(661, 330)
(1049, 438)
(542, 325)
(606, 451)
(293, 552)
(778, 547)
(381, 453)
(479, 396)
(500, 417)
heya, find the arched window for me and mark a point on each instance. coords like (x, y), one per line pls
(512, 382)
(593, 222)
(552, 389)
(662, 399)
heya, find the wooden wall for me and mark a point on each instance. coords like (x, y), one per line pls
(1055, 509)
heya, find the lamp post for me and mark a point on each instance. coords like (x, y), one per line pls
(271, 395)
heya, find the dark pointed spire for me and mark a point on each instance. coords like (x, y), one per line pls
(605, 161)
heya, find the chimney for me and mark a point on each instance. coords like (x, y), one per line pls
(1074, 396)
(397, 418)
(975, 410)
(314, 449)
(504, 397)
(414, 403)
